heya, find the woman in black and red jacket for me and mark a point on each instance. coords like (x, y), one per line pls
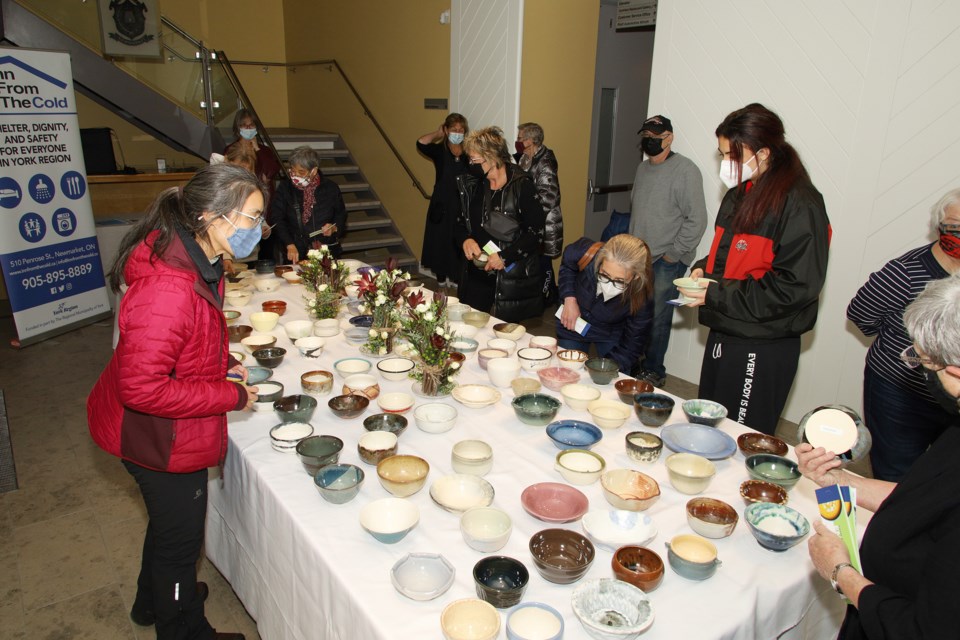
(769, 260)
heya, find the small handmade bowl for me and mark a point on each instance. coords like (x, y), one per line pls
(435, 417)
(500, 580)
(653, 409)
(612, 609)
(349, 366)
(348, 406)
(485, 529)
(556, 378)
(484, 356)
(252, 343)
(278, 307)
(639, 566)
(389, 520)
(422, 576)
(279, 270)
(753, 442)
(761, 491)
(573, 434)
(476, 319)
(395, 369)
(374, 446)
(572, 358)
(579, 396)
(579, 466)
(463, 330)
(237, 332)
(319, 451)
(310, 346)
(237, 298)
(339, 483)
(537, 409)
(361, 384)
(611, 530)
(560, 555)
(608, 414)
(395, 402)
(533, 358)
(264, 321)
(464, 345)
(256, 375)
(460, 492)
(775, 526)
(480, 262)
(775, 469)
(295, 408)
(692, 557)
(509, 330)
(690, 473)
(472, 457)
(629, 490)
(544, 342)
(643, 446)
(270, 357)
(285, 436)
(357, 335)
(455, 311)
(554, 502)
(231, 317)
(316, 383)
(292, 277)
(475, 396)
(403, 475)
(326, 328)
(266, 285)
(602, 370)
(504, 344)
(268, 392)
(711, 518)
(706, 412)
(390, 422)
(629, 387)
(296, 329)
(534, 621)
(470, 619)
(264, 266)
(524, 386)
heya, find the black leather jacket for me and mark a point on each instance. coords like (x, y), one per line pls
(543, 170)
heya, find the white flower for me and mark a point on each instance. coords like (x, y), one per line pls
(383, 334)
(313, 253)
(411, 352)
(324, 248)
(406, 275)
(397, 273)
(311, 303)
(439, 331)
(421, 308)
(428, 316)
(383, 351)
(363, 308)
(372, 333)
(322, 287)
(454, 365)
(380, 299)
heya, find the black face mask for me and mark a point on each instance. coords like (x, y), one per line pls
(476, 170)
(651, 146)
(940, 394)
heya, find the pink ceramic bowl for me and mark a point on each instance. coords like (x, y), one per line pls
(554, 502)
(555, 378)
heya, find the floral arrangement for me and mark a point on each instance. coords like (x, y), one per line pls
(382, 294)
(424, 325)
(325, 277)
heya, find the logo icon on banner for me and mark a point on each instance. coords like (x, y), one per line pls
(64, 222)
(41, 188)
(73, 185)
(32, 227)
(10, 193)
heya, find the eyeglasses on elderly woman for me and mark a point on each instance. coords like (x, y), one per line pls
(913, 359)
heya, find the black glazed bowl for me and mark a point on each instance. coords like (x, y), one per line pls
(500, 580)
(264, 266)
(653, 409)
(392, 422)
(296, 408)
(270, 357)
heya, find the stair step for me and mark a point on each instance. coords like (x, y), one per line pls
(284, 147)
(378, 258)
(363, 242)
(361, 205)
(370, 222)
(353, 187)
(333, 153)
(339, 169)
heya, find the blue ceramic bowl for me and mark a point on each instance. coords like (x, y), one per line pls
(700, 440)
(683, 547)
(775, 526)
(775, 469)
(534, 620)
(574, 434)
(464, 345)
(256, 375)
(339, 483)
(537, 409)
(362, 321)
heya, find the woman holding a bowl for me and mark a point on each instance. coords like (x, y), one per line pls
(766, 267)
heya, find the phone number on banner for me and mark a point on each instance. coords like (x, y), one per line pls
(45, 274)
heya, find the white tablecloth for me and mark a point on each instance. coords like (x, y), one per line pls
(304, 568)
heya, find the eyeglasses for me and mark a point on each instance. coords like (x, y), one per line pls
(476, 160)
(912, 359)
(617, 283)
(256, 219)
(949, 227)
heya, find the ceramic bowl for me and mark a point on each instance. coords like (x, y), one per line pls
(629, 387)
(232, 318)
(285, 436)
(775, 469)
(639, 566)
(711, 518)
(690, 286)
(653, 409)
(544, 342)
(502, 371)
(316, 383)
(238, 332)
(295, 408)
(573, 359)
(509, 330)
(455, 311)
(486, 355)
(461, 491)
(503, 344)
(463, 330)
(579, 466)
(363, 320)
(310, 346)
(476, 319)
(556, 378)
(435, 417)
(465, 346)
(348, 406)
(836, 427)
(690, 473)
(349, 366)
(579, 396)
(611, 609)
(608, 414)
(361, 384)
(422, 576)
(266, 285)
(761, 491)
(470, 619)
(326, 328)
(536, 409)
(643, 446)
(534, 621)
(480, 262)
(692, 557)
(403, 475)
(374, 446)
(264, 266)
(704, 412)
(475, 396)
(573, 434)
(292, 277)
(237, 298)
(611, 530)
(270, 357)
(352, 291)
(278, 307)
(239, 356)
(319, 451)
(339, 483)
(602, 370)
(533, 358)
(754, 442)
(268, 392)
(629, 490)
(473, 457)
(485, 529)
(395, 402)
(357, 335)
(256, 375)
(500, 580)
(297, 329)
(701, 440)
(252, 343)
(395, 369)
(775, 526)
(554, 502)
(525, 386)
(237, 285)
(279, 270)
(389, 520)
(390, 422)
(560, 555)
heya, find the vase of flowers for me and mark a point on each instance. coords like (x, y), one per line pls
(325, 278)
(424, 325)
(382, 295)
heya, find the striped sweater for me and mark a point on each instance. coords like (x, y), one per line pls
(878, 307)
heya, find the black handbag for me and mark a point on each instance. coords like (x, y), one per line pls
(499, 225)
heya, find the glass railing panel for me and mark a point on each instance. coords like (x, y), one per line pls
(226, 100)
(79, 19)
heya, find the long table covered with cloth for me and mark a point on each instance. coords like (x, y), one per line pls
(306, 569)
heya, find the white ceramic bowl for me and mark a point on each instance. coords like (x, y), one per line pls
(485, 529)
(297, 329)
(395, 402)
(470, 619)
(310, 346)
(572, 358)
(474, 457)
(579, 396)
(361, 384)
(514, 334)
(455, 311)
(350, 366)
(435, 417)
(395, 369)
(533, 358)
(610, 609)
(376, 445)
(286, 436)
(352, 291)
(609, 414)
(422, 576)
(579, 466)
(544, 342)
(463, 330)
(611, 530)
(252, 343)
(264, 321)
(502, 371)
(389, 519)
(266, 284)
(459, 492)
(292, 277)
(690, 473)
(237, 298)
(534, 621)
(504, 344)
(476, 396)
(326, 328)
(689, 285)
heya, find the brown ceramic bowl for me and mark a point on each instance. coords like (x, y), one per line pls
(282, 269)
(638, 566)
(278, 307)
(755, 442)
(238, 332)
(456, 356)
(347, 407)
(316, 382)
(560, 555)
(711, 518)
(628, 387)
(759, 491)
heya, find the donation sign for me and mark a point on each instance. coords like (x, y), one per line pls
(48, 244)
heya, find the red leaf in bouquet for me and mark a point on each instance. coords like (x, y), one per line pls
(397, 288)
(438, 341)
(441, 299)
(415, 299)
(366, 284)
(392, 263)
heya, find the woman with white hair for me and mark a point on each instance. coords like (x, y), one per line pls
(902, 416)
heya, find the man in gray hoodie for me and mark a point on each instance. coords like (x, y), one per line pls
(669, 213)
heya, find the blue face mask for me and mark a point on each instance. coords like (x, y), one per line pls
(454, 137)
(248, 134)
(243, 241)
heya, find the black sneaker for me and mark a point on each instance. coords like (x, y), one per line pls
(654, 379)
(146, 618)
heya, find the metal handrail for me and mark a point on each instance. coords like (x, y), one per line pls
(180, 32)
(599, 189)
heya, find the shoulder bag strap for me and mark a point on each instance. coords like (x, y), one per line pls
(588, 256)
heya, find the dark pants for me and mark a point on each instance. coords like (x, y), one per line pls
(664, 273)
(477, 287)
(177, 507)
(751, 378)
(603, 348)
(903, 425)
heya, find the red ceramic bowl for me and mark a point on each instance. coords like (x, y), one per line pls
(278, 307)
(554, 502)
(555, 378)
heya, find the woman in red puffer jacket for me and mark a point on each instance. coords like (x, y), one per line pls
(161, 403)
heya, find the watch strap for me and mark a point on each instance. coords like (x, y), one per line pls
(836, 572)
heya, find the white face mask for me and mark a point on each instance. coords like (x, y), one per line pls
(608, 290)
(728, 172)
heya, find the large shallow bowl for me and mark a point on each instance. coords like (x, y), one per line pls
(611, 529)
(608, 414)
(611, 609)
(776, 526)
(534, 621)
(557, 377)
(470, 619)
(775, 469)
(435, 417)
(690, 473)
(754, 442)
(573, 434)
(459, 492)
(708, 442)
(602, 370)
(711, 518)
(706, 412)
(653, 409)
(560, 555)
(295, 408)
(339, 483)
(554, 502)
(762, 491)
(629, 490)
(403, 475)
(476, 396)
(389, 520)
(486, 529)
(579, 396)
(319, 451)
(638, 565)
(422, 576)
(537, 409)
(500, 580)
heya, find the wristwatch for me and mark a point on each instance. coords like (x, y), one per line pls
(833, 576)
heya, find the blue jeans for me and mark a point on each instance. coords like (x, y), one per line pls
(664, 273)
(603, 348)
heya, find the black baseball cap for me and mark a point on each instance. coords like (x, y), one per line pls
(656, 125)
